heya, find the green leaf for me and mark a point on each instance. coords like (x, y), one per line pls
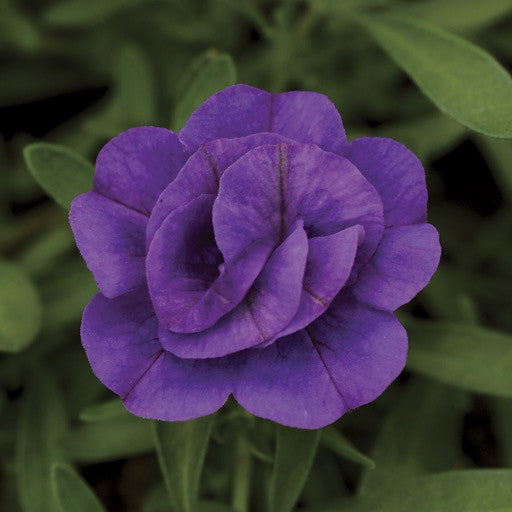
(465, 356)
(118, 438)
(295, 451)
(83, 13)
(333, 439)
(498, 153)
(181, 448)
(105, 411)
(40, 424)
(457, 15)
(416, 440)
(73, 493)
(20, 309)
(456, 491)
(133, 101)
(467, 83)
(61, 172)
(215, 72)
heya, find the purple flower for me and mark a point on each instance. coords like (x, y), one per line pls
(256, 253)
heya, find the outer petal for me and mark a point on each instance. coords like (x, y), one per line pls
(363, 349)
(309, 379)
(397, 175)
(265, 191)
(330, 261)
(120, 339)
(110, 238)
(241, 110)
(187, 288)
(287, 382)
(202, 172)
(403, 264)
(134, 167)
(267, 308)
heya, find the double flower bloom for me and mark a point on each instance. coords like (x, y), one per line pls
(256, 253)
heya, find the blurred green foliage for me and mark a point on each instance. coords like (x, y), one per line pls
(425, 72)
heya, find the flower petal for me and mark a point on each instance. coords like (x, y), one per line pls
(134, 167)
(202, 172)
(187, 288)
(288, 383)
(110, 238)
(311, 378)
(120, 338)
(328, 267)
(241, 110)
(263, 193)
(267, 308)
(397, 175)
(403, 264)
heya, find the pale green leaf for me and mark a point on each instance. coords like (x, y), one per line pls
(181, 448)
(418, 437)
(20, 308)
(40, 424)
(117, 438)
(466, 356)
(61, 172)
(83, 13)
(460, 78)
(295, 452)
(333, 439)
(105, 411)
(458, 15)
(456, 491)
(72, 492)
(215, 72)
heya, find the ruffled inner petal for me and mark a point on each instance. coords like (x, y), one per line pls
(263, 193)
(328, 267)
(110, 238)
(202, 172)
(267, 308)
(190, 286)
(241, 110)
(134, 167)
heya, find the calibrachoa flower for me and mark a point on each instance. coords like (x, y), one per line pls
(255, 253)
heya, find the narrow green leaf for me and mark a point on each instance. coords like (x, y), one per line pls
(465, 356)
(72, 492)
(416, 440)
(181, 449)
(498, 153)
(114, 439)
(215, 72)
(333, 439)
(61, 172)
(41, 423)
(457, 491)
(83, 13)
(20, 309)
(295, 451)
(105, 411)
(467, 83)
(133, 100)
(458, 15)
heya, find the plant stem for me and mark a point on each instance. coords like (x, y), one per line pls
(242, 476)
